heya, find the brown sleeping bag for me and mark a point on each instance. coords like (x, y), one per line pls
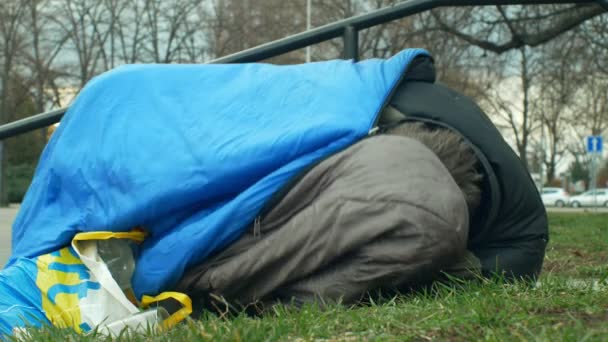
(382, 213)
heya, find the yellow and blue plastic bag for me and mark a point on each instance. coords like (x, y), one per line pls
(72, 288)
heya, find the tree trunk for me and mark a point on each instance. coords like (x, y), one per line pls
(525, 87)
(3, 178)
(4, 118)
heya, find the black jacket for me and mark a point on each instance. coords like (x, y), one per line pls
(509, 233)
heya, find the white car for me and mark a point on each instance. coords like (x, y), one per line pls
(555, 197)
(586, 199)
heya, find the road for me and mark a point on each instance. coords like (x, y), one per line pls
(7, 215)
(577, 210)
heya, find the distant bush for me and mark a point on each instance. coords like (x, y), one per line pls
(19, 177)
(556, 182)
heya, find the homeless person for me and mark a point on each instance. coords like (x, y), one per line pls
(436, 190)
(262, 182)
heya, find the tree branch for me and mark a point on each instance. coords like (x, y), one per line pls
(578, 15)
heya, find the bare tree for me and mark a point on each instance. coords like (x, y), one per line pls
(116, 26)
(196, 47)
(547, 89)
(166, 31)
(523, 25)
(593, 104)
(11, 43)
(235, 25)
(380, 41)
(476, 49)
(594, 32)
(501, 103)
(86, 23)
(561, 73)
(590, 114)
(127, 30)
(44, 45)
(458, 64)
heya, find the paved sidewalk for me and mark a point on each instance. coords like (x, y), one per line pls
(7, 215)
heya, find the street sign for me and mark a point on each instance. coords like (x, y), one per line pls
(594, 144)
(594, 148)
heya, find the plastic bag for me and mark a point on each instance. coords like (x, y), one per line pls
(84, 287)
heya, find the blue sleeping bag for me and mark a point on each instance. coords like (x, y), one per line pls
(191, 153)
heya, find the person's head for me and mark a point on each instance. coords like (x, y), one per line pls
(453, 151)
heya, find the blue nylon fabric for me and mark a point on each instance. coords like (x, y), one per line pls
(192, 153)
(20, 299)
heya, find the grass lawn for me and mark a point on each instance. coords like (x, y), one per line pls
(570, 302)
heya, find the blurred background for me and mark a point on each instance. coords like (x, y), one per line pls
(540, 72)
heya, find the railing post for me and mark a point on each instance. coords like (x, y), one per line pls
(351, 43)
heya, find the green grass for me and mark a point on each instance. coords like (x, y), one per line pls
(570, 302)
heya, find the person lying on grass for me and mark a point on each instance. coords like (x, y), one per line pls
(390, 213)
(257, 182)
(436, 190)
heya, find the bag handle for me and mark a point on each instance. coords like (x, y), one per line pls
(166, 299)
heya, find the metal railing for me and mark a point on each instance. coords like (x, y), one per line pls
(348, 29)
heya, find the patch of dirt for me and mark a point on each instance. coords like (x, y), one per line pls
(565, 316)
(450, 334)
(595, 320)
(548, 311)
(566, 252)
(569, 260)
(559, 266)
